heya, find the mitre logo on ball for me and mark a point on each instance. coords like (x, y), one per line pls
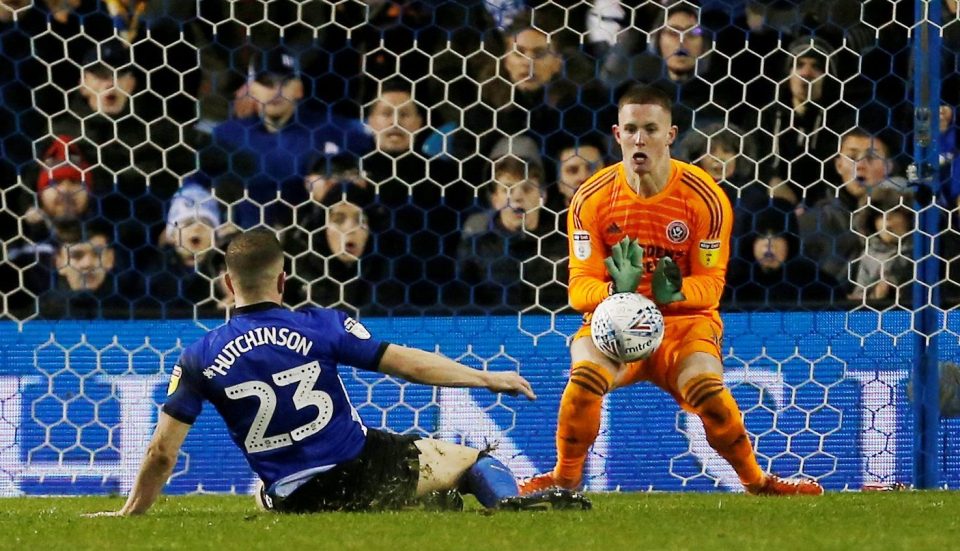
(627, 327)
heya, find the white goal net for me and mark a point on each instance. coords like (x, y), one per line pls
(417, 159)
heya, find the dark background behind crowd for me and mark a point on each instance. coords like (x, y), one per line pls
(419, 157)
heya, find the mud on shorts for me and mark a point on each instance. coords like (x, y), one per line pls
(383, 476)
(682, 336)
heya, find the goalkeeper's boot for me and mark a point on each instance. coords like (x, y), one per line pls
(773, 485)
(538, 483)
(554, 498)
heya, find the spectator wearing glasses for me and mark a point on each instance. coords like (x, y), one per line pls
(831, 231)
(88, 282)
(679, 61)
(536, 83)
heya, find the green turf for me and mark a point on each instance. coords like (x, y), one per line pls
(902, 520)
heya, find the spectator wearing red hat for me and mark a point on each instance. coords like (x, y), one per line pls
(64, 188)
(63, 199)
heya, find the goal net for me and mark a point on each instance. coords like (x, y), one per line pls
(417, 160)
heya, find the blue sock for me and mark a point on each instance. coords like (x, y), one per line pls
(490, 481)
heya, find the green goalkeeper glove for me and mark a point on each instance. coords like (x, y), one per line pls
(667, 282)
(625, 265)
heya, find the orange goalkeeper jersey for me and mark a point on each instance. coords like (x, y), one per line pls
(690, 221)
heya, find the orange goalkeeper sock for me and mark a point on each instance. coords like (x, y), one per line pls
(723, 424)
(579, 420)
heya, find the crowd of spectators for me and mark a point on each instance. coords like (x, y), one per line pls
(420, 156)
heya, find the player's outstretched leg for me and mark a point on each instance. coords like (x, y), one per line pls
(490, 481)
(444, 465)
(495, 487)
(578, 424)
(706, 394)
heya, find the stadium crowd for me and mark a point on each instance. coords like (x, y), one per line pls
(419, 156)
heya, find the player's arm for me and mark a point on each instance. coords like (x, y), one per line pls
(419, 366)
(708, 269)
(156, 468)
(703, 290)
(157, 464)
(589, 282)
(182, 407)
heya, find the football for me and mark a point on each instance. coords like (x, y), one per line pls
(627, 327)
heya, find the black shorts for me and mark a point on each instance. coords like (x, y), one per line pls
(383, 476)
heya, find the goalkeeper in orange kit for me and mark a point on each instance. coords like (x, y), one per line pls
(660, 227)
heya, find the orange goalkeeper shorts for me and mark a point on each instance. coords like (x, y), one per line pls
(682, 336)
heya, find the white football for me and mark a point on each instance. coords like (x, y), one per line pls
(627, 327)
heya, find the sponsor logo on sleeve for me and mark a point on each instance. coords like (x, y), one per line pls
(677, 231)
(174, 380)
(710, 253)
(356, 329)
(581, 244)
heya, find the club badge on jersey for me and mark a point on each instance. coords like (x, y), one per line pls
(677, 232)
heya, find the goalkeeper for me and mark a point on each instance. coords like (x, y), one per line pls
(271, 373)
(660, 227)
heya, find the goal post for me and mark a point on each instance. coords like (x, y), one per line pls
(926, 89)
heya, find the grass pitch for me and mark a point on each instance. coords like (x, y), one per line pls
(894, 520)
